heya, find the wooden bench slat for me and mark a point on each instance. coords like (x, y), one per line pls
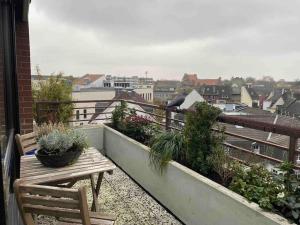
(28, 136)
(45, 178)
(67, 170)
(49, 190)
(52, 211)
(28, 142)
(36, 163)
(68, 221)
(30, 148)
(48, 201)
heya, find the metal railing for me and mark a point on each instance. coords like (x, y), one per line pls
(49, 110)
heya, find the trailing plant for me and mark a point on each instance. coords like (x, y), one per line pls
(199, 137)
(56, 142)
(166, 146)
(257, 185)
(223, 165)
(118, 115)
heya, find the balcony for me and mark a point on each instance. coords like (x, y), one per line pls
(188, 195)
(121, 196)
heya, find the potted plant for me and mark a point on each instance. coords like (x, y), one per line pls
(60, 148)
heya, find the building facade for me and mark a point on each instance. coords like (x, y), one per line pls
(165, 90)
(216, 93)
(84, 110)
(15, 99)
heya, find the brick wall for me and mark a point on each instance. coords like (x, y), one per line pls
(24, 76)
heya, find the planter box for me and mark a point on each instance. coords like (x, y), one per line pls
(193, 198)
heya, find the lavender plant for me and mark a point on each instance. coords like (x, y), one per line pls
(58, 142)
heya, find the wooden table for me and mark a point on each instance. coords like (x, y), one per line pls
(89, 163)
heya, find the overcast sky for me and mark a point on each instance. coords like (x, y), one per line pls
(167, 37)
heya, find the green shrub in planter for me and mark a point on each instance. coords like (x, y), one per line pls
(61, 148)
(166, 146)
(257, 185)
(199, 137)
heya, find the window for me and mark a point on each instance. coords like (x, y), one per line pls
(77, 115)
(255, 147)
(107, 85)
(84, 114)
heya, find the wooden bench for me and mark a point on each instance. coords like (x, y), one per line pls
(69, 205)
(26, 142)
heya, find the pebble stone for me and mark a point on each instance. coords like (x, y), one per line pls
(121, 196)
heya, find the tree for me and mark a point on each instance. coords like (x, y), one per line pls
(250, 80)
(56, 88)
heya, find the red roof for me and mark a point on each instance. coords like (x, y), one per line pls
(87, 79)
(192, 80)
(189, 78)
(201, 82)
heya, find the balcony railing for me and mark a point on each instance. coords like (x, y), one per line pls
(48, 110)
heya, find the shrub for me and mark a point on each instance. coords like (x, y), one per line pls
(118, 115)
(54, 89)
(46, 128)
(223, 165)
(58, 142)
(289, 201)
(257, 185)
(165, 147)
(199, 137)
(136, 127)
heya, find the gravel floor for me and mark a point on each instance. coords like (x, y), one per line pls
(121, 196)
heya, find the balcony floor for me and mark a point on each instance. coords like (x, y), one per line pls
(120, 195)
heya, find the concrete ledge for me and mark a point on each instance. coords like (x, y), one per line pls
(193, 198)
(94, 135)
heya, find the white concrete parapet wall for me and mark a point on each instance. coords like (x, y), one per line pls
(190, 196)
(94, 135)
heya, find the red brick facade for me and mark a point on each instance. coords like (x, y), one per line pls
(24, 77)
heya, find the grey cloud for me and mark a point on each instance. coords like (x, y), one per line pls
(154, 21)
(210, 37)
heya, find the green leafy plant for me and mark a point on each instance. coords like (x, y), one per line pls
(136, 127)
(118, 115)
(56, 142)
(199, 137)
(223, 165)
(56, 88)
(257, 185)
(289, 201)
(166, 146)
(290, 207)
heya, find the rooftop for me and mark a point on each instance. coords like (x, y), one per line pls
(87, 79)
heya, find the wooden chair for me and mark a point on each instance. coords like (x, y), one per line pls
(69, 205)
(26, 142)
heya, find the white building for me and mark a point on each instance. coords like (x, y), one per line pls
(84, 111)
(142, 86)
(191, 98)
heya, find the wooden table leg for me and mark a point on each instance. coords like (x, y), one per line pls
(96, 191)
